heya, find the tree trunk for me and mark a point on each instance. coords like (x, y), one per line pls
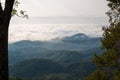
(5, 16)
(4, 72)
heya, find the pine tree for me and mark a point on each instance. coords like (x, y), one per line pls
(108, 63)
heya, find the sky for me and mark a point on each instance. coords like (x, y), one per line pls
(64, 8)
(50, 31)
(49, 19)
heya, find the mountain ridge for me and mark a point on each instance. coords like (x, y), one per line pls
(54, 50)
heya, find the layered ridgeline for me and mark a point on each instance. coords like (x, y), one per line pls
(69, 56)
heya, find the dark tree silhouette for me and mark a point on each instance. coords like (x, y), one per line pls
(5, 17)
(108, 63)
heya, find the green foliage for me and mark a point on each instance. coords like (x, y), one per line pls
(16, 12)
(116, 77)
(97, 75)
(114, 12)
(109, 62)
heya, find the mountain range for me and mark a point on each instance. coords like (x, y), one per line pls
(78, 45)
(70, 56)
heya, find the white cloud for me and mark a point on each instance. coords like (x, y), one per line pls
(50, 31)
(77, 12)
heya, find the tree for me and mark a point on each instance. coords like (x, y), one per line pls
(97, 75)
(108, 63)
(6, 13)
(5, 16)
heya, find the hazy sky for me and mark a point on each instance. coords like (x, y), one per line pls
(50, 31)
(64, 8)
(64, 12)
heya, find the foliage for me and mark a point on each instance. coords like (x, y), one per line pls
(114, 12)
(109, 61)
(97, 75)
(16, 12)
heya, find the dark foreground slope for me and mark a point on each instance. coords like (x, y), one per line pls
(40, 69)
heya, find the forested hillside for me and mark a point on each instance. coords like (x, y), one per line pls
(59, 59)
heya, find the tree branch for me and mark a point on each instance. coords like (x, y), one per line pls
(8, 10)
(1, 10)
(1, 15)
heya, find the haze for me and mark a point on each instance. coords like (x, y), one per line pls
(49, 19)
(63, 8)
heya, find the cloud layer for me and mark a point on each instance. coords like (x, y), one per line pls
(49, 31)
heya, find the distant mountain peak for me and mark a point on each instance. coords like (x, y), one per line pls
(79, 35)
